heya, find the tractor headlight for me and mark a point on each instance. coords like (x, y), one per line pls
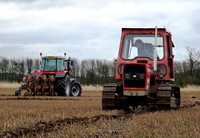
(127, 76)
(135, 76)
(161, 70)
(141, 76)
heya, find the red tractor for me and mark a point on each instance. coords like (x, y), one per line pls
(53, 78)
(145, 68)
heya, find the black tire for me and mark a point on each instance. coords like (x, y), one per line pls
(76, 89)
(17, 92)
(26, 94)
(63, 86)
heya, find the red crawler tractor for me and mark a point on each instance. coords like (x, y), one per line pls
(53, 78)
(146, 70)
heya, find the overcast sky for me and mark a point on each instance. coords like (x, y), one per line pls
(91, 28)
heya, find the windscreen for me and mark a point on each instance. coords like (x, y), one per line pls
(51, 64)
(141, 45)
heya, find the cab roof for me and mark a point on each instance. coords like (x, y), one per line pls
(142, 28)
(53, 57)
(146, 29)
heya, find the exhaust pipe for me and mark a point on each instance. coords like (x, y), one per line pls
(155, 53)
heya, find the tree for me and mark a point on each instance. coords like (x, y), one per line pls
(29, 64)
(75, 69)
(192, 59)
(21, 70)
(4, 67)
(36, 64)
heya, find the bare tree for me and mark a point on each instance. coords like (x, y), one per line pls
(21, 69)
(4, 67)
(13, 69)
(99, 64)
(29, 64)
(36, 64)
(192, 59)
(75, 68)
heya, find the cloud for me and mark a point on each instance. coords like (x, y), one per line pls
(91, 29)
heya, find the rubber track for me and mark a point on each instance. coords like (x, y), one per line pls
(44, 127)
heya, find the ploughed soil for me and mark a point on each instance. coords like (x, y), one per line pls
(188, 100)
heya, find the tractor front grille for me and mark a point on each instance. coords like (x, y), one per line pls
(134, 76)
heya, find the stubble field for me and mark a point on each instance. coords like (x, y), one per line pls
(83, 117)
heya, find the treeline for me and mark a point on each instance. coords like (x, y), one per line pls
(98, 71)
(94, 71)
(187, 72)
(14, 69)
(88, 72)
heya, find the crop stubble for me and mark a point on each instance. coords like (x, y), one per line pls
(82, 116)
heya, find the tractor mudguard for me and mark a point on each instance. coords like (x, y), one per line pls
(59, 76)
(39, 75)
(72, 80)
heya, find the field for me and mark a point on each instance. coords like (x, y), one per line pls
(83, 117)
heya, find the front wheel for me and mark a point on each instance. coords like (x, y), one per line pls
(76, 89)
(17, 92)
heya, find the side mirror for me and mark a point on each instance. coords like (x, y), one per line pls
(65, 66)
(68, 65)
(72, 63)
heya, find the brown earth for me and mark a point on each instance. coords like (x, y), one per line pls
(82, 116)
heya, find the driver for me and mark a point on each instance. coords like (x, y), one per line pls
(144, 49)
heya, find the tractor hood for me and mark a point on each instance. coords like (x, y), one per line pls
(58, 74)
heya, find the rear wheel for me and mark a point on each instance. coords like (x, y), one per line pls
(76, 89)
(63, 86)
(26, 94)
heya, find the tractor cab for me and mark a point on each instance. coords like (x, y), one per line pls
(137, 46)
(52, 64)
(55, 63)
